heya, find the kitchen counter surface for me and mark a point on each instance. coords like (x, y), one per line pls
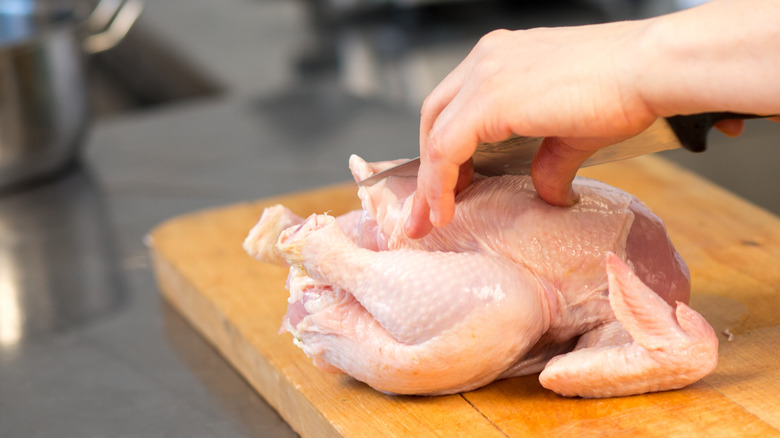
(87, 346)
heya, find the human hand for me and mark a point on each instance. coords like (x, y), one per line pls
(573, 86)
(585, 87)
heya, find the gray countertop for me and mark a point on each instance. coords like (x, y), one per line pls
(87, 346)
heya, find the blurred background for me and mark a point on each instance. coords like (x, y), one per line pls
(290, 56)
(108, 129)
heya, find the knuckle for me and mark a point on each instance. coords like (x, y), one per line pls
(491, 92)
(490, 39)
(428, 111)
(428, 104)
(434, 196)
(435, 148)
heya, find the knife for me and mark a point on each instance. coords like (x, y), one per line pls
(514, 155)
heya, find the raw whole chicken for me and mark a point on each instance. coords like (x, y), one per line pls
(592, 296)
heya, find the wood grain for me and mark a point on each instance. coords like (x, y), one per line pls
(731, 246)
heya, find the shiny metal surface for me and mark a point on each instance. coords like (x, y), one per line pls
(59, 222)
(88, 346)
(43, 106)
(514, 155)
(406, 169)
(44, 111)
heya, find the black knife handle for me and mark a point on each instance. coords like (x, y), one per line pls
(692, 130)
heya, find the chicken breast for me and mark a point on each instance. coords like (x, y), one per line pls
(593, 296)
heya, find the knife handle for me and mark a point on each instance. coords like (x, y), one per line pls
(692, 129)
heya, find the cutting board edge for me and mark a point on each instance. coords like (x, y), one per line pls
(256, 205)
(199, 312)
(211, 320)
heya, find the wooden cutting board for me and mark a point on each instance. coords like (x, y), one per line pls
(731, 246)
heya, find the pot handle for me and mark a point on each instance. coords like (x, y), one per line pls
(109, 22)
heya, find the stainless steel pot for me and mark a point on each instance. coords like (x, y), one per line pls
(44, 110)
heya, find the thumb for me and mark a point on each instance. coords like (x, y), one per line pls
(554, 167)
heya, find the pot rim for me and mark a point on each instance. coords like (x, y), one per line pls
(98, 29)
(29, 25)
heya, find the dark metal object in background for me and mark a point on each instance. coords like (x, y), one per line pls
(44, 110)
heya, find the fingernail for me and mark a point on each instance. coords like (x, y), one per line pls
(434, 217)
(408, 224)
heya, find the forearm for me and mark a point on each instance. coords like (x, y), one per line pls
(722, 56)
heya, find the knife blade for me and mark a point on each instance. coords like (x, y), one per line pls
(515, 154)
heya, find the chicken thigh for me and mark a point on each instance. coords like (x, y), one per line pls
(592, 296)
